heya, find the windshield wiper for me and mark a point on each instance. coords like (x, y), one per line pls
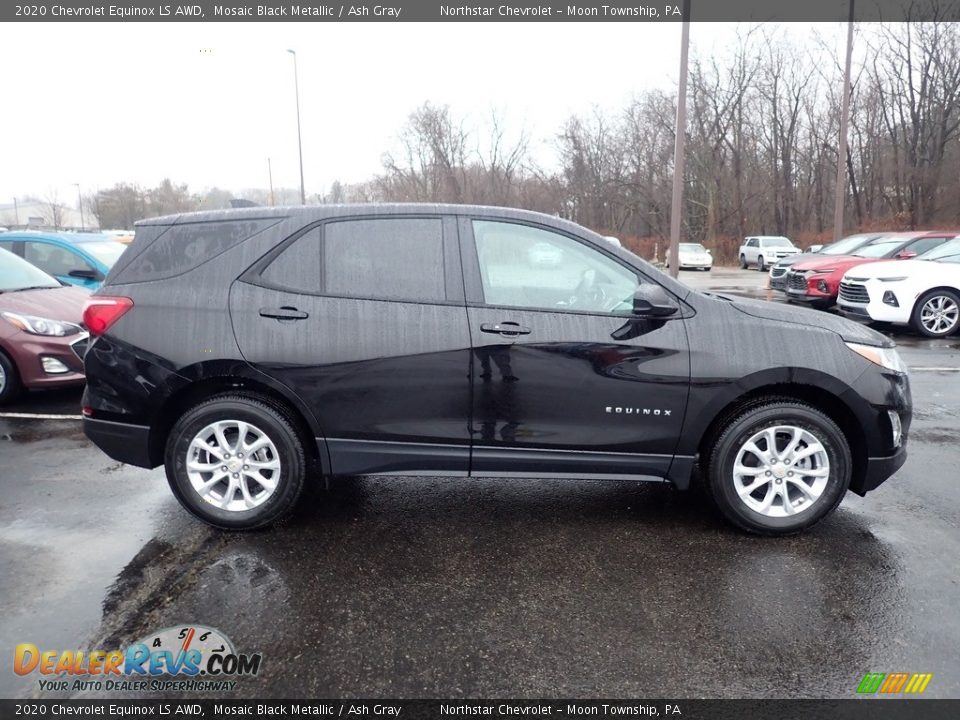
(32, 287)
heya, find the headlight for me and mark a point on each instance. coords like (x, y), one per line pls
(893, 279)
(887, 358)
(41, 326)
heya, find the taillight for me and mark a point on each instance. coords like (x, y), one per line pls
(101, 312)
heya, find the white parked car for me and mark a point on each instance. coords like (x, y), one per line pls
(693, 256)
(923, 293)
(765, 250)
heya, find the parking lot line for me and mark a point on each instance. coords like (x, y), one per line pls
(40, 416)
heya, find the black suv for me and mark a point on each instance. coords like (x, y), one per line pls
(252, 351)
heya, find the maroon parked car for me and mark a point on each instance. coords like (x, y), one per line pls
(42, 341)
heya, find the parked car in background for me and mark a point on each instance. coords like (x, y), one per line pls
(82, 259)
(693, 256)
(124, 236)
(923, 293)
(817, 281)
(42, 341)
(764, 250)
(364, 339)
(613, 240)
(778, 273)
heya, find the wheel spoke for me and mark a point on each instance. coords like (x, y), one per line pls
(197, 466)
(205, 488)
(802, 487)
(771, 437)
(245, 491)
(811, 449)
(767, 501)
(221, 438)
(741, 469)
(242, 429)
(788, 508)
(813, 472)
(747, 490)
(204, 445)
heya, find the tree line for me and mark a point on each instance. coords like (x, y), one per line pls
(762, 136)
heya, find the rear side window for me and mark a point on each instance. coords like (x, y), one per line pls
(381, 258)
(183, 247)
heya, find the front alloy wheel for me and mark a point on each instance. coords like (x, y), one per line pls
(778, 467)
(937, 314)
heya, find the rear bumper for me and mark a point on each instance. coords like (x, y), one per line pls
(126, 443)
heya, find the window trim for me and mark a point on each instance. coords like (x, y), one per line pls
(71, 250)
(473, 280)
(452, 274)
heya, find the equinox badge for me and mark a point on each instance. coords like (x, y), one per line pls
(637, 411)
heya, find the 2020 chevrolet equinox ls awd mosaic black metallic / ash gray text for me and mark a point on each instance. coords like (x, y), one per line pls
(244, 349)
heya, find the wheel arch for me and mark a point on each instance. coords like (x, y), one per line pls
(205, 380)
(824, 392)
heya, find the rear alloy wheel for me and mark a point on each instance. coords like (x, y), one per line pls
(937, 314)
(743, 262)
(9, 380)
(236, 462)
(761, 264)
(779, 467)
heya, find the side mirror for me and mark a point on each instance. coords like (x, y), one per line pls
(709, 251)
(653, 301)
(815, 248)
(906, 255)
(94, 275)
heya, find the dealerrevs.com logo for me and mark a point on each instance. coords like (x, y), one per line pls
(189, 657)
(894, 683)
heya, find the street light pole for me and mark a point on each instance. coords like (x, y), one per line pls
(676, 205)
(83, 224)
(844, 120)
(296, 90)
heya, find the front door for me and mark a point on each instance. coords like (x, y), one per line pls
(363, 318)
(565, 378)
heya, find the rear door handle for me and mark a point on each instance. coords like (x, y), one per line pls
(509, 329)
(283, 313)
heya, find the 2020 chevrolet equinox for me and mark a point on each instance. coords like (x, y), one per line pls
(252, 351)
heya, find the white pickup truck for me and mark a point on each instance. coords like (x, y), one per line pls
(764, 250)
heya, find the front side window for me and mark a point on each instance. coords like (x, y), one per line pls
(382, 258)
(54, 259)
(948, 252)
(527, 267)
(926, 245)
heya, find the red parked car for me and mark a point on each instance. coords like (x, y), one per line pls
(817, 281)
(42, 340)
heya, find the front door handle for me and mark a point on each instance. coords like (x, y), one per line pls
(509, 329)
(283, 313)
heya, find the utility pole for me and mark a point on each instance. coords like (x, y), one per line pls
(83, 224)
(296, 89)
(270, 174)
(844, 122)
(679, 147)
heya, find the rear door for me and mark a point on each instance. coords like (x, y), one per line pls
(364, 319)
(565, 378)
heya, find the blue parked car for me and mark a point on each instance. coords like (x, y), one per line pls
(81, 259)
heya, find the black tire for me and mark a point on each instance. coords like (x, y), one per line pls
(761, 265)
(274, 423)
(743, 262)
(934, 295)
(10, 386)
(739, 428)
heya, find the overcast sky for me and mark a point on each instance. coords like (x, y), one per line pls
(207, 104)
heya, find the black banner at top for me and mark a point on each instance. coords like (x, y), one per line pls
(474, 11)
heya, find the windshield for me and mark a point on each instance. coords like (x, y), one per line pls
(692, 247)
(777, 242)
(106, 251)
(879, 249)
(17, 274)
(845, 246)
(948, 252)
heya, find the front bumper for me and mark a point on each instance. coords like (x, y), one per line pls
(879, 469)
(29, 352)
(123, 442)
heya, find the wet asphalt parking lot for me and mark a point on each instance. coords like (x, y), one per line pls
(436, 587)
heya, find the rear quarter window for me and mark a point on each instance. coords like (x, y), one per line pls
(180, 248)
